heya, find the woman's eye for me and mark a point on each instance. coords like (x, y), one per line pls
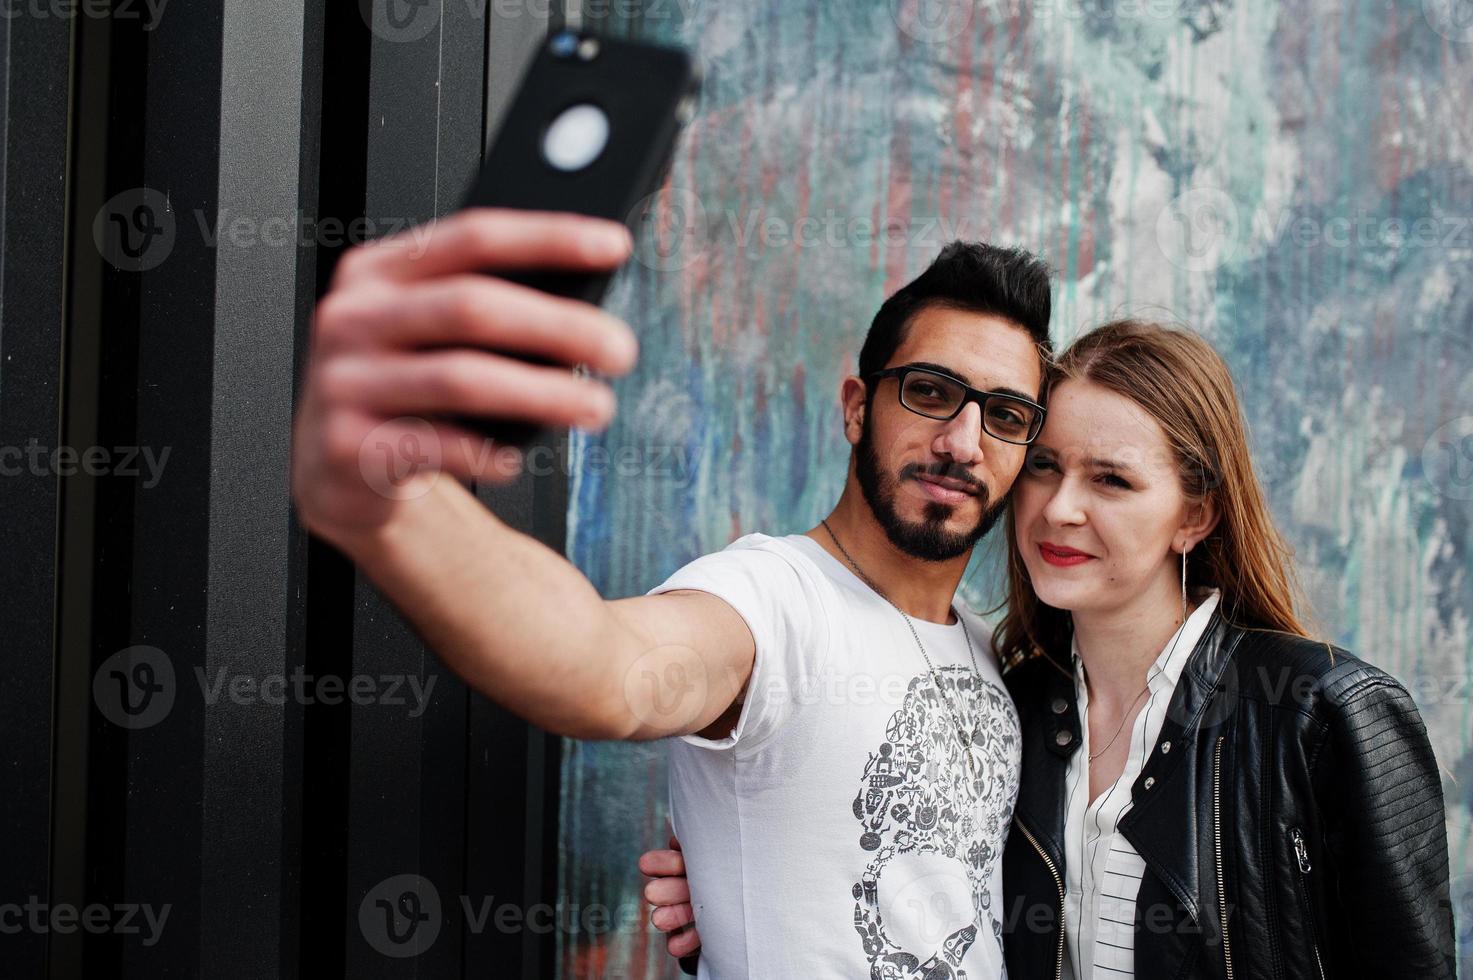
(1040, 464)
(1114, 481)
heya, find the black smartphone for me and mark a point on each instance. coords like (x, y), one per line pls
(591, 130)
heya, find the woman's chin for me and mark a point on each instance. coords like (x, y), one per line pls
(1053, 590)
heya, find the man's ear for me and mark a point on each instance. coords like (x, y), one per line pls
(852, 394)
(1202, 517)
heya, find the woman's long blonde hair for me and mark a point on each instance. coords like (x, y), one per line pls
(1182, 383)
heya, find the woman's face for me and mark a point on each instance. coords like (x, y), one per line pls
(1099, 508)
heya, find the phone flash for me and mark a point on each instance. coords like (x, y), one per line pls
(576, 137)
(588, 48)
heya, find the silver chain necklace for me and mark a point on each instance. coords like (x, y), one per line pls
(961, 733)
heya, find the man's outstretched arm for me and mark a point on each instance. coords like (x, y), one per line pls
(407, 336)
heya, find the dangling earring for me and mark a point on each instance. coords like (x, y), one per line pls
(1184, 585)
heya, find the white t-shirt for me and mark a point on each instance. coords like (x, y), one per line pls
(838, 831)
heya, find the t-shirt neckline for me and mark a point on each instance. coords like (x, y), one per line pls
(821, 554)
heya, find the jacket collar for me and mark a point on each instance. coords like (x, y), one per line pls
(1165, 823)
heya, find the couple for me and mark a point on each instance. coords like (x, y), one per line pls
(1172, 779)
(1205, 791)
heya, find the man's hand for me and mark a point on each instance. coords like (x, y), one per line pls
(669, 893)
(411, 330)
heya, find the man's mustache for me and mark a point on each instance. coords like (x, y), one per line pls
(946, 471)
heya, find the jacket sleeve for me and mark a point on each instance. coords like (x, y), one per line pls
(1386, 832)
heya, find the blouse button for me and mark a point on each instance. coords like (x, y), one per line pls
(1064, 738)
(1166, 746)
(1060, 706)
(1150, 781)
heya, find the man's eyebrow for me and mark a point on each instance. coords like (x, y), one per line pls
(952, 372)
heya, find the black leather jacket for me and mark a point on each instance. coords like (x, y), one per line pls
(1290, 817)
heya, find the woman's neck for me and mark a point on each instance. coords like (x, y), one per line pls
(1118, 646)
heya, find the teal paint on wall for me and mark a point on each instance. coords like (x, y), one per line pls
(1291, 179)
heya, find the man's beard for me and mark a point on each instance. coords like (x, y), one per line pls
(928, 539)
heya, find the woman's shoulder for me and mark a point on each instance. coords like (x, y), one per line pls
(1299, 671)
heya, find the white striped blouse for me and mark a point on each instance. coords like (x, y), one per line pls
(1102, 871)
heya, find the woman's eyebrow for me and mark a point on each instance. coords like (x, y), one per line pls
(1100, 463)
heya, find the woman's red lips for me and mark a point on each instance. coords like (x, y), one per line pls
(1057, 554)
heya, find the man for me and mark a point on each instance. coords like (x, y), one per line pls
(847, 757)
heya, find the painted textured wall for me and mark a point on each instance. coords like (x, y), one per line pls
(1293, 179)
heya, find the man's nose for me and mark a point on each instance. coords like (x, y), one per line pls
(961, 437)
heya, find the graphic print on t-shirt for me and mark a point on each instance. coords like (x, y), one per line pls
(934, 832)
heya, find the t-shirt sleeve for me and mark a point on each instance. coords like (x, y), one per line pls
(785, 607)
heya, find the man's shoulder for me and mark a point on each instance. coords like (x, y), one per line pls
(760, 549)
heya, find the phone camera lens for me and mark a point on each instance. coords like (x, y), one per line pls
(563, 44)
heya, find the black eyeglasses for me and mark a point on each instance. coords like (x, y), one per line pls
(940, 396)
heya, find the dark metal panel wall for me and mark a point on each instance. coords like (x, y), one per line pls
(255, 310)
(448, 808)
(204, 157)
(33, 101)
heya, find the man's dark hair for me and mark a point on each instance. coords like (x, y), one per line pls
(974, 276)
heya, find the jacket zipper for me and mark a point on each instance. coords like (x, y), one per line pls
(1301, 854)
(1227, 950)
(1058, 883)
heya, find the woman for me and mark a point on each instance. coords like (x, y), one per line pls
(1206, 791)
